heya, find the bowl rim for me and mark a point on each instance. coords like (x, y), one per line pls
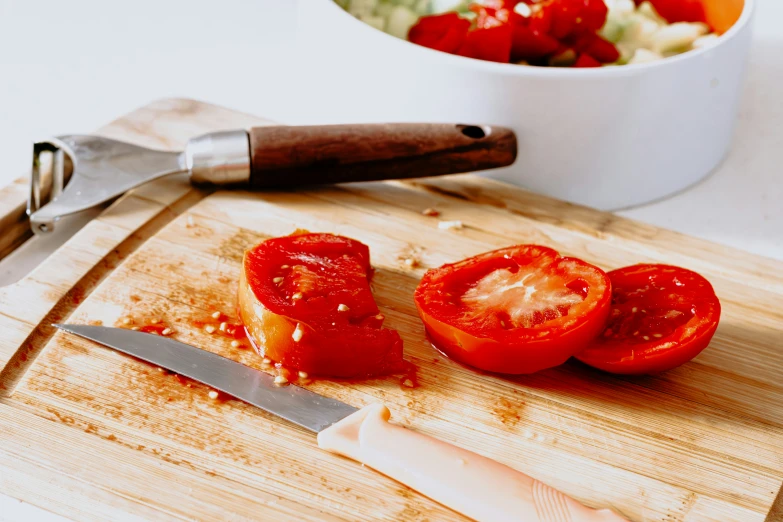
(560, 72)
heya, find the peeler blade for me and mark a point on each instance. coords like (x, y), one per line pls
(102, 169)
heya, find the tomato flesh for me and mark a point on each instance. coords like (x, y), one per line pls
(306, 303)
(662, 316)
(515, 310)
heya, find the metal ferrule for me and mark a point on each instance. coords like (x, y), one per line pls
(221, 158)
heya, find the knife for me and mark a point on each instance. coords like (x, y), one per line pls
(473, 485)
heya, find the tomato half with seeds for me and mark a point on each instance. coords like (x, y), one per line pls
(662, 316)
(515, 310)
(306, 304)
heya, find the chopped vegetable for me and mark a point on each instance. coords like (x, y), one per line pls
(679, 10)
(446, 32)
(559, 33)
(721, 15)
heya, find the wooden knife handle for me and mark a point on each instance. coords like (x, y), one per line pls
(477, 487)
(304, 155)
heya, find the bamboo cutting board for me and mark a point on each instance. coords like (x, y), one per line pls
(94, 435)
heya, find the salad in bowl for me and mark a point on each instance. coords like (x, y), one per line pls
(555, 33)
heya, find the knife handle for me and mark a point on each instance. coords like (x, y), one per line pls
(285, 156)
(477, 487)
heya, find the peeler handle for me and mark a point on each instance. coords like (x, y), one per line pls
(304, 155)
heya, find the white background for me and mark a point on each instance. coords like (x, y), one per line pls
(69, 67)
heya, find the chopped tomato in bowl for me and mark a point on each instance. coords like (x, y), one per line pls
(561, 33)
(515, 310)
(662, 316)
(306, 304)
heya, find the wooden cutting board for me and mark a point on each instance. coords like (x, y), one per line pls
(95, 435)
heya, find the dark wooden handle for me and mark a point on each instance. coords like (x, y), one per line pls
(286, 156)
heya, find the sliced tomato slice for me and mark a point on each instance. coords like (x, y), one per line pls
(515, 310)
(662, 316)
(306, 303)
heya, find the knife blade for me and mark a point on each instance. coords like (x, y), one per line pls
(293, 403)
(471, 484)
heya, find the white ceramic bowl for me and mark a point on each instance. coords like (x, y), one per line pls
(608, 138)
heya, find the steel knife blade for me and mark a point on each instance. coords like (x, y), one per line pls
(298, 405)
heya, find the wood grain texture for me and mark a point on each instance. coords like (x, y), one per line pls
(14, 229)
(305, 155)
(703, 442)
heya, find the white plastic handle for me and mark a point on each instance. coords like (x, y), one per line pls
(475, 486)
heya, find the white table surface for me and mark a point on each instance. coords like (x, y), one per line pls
(69, 67)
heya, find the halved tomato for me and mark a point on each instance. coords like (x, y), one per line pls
(662, 316)
(515, 310)
(306, 303)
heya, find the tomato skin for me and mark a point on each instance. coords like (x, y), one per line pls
(585, 60)
(519, 349)
(499, 34)
(327, 271)
(680, 10)
(647, 288)
(721, 15)
(492, 44)
(445, 32)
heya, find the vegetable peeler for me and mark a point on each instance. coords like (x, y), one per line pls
(77, 172)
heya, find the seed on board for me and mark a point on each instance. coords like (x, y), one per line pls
(296, 296)
(167, 331)
(431, 212)
(380, 317)
(412, 262)
(213, 394)
(216, 315)
(266, 361)
(408, 383)
(223, 326)
(190, 223)
(303, 375)
(127, 320)
(277, 280)
(161, 370)
(461, 462)
(342, 308)
(156, 321)
(280, 380)
(210, 328)
(235, 344)
(297, 335)
(449, 225)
